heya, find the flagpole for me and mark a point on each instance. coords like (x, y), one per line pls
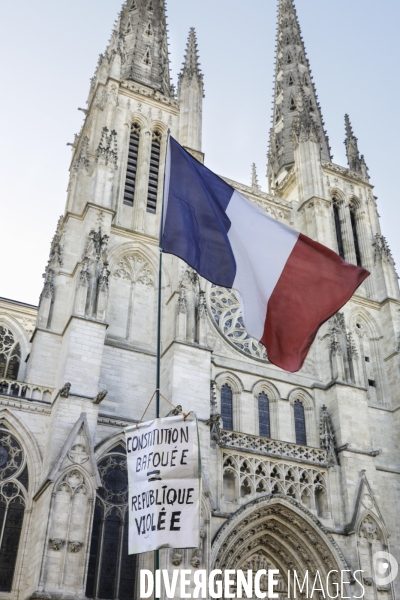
(159, 312)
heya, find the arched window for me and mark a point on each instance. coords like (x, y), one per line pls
(292, 105)
(263, 416)
(353, 219)
(300, 423)
(291, 80)
(131, 169)
(154, 172)
(227, 407)
(13, 479)
(338, 228)
(111, 571)
(10, 354)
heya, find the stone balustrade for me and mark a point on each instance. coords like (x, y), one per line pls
(259, 445)
(25, 391)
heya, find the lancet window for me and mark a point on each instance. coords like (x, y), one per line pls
(10, 354)
(338, 227)
(111, 570)
(264, 416)
(227, 407)
(131, 169)
(154, 172)
(353, 220)
(300, 423)
(14, 483)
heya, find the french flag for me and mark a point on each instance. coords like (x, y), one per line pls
(289, 285)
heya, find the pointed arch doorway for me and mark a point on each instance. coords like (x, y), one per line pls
(275, 532)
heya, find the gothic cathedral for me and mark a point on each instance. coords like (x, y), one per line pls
(300, 471)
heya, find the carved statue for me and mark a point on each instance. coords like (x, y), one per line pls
(327, 437)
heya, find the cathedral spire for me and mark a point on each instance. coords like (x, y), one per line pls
(295, 96)
(142, 26)
(356, 162)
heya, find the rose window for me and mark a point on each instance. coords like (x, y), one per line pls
(226, 311)
(114, 477)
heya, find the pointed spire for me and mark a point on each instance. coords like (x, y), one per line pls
(191, 65)
(294, 95)
(143, 29)
(254, 178)
(356, 162)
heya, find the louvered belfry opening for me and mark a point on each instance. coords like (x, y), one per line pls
(131, 170)
(338, 228)
(154, 172)
(353, 219)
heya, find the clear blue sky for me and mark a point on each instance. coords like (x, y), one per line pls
(49, 51)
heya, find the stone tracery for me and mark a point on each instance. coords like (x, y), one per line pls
(227, 314)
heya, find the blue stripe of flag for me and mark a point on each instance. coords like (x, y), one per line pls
(196, 224)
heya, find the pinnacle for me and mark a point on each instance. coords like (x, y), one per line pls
(356, 162)
(191, 65)
(254, 178)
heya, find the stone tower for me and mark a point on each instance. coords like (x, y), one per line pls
(300, 470)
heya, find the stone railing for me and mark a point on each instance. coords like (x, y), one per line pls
(25, 391)
(267, 447)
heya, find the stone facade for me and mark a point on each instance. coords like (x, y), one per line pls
(300, 471)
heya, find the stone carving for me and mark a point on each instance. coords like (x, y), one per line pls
(215, 428)
(369, 530)
(56, 544)
(202, 306)
(327, 437)
(84, 274)
(382, 250)
(175, 411)
(351, 346)
(78, 454)
(197, 553)
(135, 269)
(227, 314)
(55, 261)
(103, 278)
(75, 546)
(82, 162)
(182, 300)
(107, 150)
(96, 247)
(177, 557)
(259, 445)
(367, 501)
(65, 390)
(100, 397)
(101, 99)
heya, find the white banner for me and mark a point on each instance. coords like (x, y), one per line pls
(164, 484)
